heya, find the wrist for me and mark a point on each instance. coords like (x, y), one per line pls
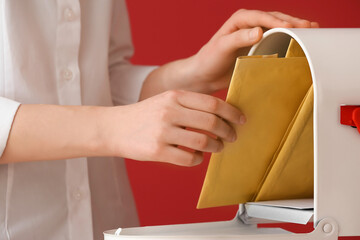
(182, 74)
(179, 74)
(87, 139)
(100, 143)
(111, 127)
(186, 74)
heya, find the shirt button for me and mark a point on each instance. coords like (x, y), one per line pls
(66, 74)
(77, 195)
(69, 14)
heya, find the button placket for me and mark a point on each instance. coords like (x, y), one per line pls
(68, 38)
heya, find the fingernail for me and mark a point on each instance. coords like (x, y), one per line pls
(221, 147)
(314, 24)
(306, 23)
(287, 23)
(253, 34)
(234, 137)
(197, 161)
(242, 119)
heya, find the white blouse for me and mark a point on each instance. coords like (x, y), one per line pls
(66, 52)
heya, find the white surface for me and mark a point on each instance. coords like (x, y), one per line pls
(290, 203)
(281, 214)
(327, 229)
(333, 56)
(294, 211)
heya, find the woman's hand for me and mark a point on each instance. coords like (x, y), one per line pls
(210, 69)
(212, 66)
(154, 128)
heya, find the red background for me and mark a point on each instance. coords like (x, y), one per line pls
(166, 30)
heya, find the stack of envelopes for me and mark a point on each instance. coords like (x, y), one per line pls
(272, 158)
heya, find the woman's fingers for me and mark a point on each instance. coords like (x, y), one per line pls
(159, 125)
(210, 104)
(177, 156)
(252, 18)
(208, 122)
(296, 22)
(243, 19)
(194, 140)
(197, 111)
(244, 28)
(241, 38)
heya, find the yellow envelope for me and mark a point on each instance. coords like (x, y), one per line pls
(291, 173)
(266, 162)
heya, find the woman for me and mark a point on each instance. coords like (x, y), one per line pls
(59, 55)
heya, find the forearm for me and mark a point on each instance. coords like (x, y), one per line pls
(50, 132)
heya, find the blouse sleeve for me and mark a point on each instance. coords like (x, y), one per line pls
(8, 110)
(125, 79)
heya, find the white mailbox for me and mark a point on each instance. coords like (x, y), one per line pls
(334, 60)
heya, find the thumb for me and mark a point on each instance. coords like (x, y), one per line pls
(255, 34)
(243, 38)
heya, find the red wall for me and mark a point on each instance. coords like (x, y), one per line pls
(165, 30)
